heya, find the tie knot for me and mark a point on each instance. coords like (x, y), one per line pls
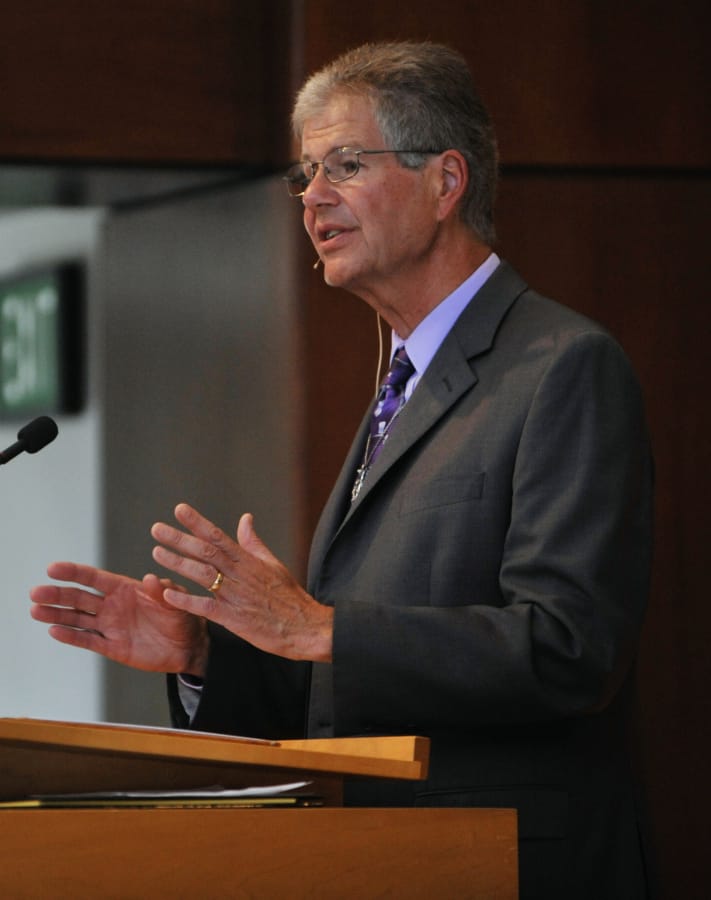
(400, 371)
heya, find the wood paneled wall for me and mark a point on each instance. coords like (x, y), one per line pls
(169, 82)
(568, 81)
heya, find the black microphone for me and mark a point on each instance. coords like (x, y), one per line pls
(35, 435)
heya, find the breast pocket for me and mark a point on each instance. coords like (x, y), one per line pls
(443, 492)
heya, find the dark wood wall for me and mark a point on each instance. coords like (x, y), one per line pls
(166, 82)
(604, 200)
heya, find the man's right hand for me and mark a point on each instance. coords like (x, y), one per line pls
(121, 618)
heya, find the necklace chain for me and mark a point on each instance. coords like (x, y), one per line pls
(372, 445)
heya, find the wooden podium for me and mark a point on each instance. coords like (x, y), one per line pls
(324, 852)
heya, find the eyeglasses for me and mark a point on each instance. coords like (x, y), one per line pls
(338, 165)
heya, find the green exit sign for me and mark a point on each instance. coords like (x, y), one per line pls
(42, 342)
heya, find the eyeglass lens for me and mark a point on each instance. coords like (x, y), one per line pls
(338, 165)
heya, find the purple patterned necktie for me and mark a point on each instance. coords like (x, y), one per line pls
(391, 399)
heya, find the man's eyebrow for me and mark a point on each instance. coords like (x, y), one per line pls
(350, 145)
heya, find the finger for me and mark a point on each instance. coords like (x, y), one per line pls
(187, 545)
(206, 606)
(89, 576)
(154, 586)
(206, 530)
(202, 573)
(63, 616)
(248, 539)
(48, 594)
(85, 640)
(69, 597)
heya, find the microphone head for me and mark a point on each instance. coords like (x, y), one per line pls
(38, 433)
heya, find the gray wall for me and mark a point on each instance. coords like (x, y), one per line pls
(200, 399)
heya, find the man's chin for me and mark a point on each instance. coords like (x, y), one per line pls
(334, 275)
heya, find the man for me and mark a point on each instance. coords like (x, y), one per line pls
(480, 572)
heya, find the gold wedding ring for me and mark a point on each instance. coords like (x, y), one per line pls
(215, 586)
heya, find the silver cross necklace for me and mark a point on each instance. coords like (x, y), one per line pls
(372, 446)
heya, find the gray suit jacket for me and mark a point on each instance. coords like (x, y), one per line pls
(490, 582)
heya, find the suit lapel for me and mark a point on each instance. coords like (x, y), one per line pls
(448, 377)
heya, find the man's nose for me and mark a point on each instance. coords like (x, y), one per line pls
(319, 190)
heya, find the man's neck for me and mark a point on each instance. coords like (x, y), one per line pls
(404, 305)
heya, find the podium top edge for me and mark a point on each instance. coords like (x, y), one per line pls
(399, 756)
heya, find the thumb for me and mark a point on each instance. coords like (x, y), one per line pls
(155, 585)
(152, 586)
(250, 541)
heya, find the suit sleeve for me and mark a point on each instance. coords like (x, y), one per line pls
(557, 635)
(246, 692)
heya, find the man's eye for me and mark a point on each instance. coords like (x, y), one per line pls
(297, 175)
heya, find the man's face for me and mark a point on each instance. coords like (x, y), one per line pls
(373, 231)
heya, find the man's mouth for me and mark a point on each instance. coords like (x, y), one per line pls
(328, 234)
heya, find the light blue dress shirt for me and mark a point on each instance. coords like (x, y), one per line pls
(427, 338)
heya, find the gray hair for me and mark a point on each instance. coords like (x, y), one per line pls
(423, 96)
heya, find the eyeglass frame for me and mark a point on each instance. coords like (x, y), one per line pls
(314, 166)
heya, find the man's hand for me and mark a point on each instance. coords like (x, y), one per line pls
(258, 599)
(121, 618)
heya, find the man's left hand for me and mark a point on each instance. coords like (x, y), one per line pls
(257, 598)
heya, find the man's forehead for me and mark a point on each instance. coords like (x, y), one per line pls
(345, 120)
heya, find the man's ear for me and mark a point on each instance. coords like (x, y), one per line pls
(453, 174)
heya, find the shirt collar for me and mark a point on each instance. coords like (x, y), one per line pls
(427, 338)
